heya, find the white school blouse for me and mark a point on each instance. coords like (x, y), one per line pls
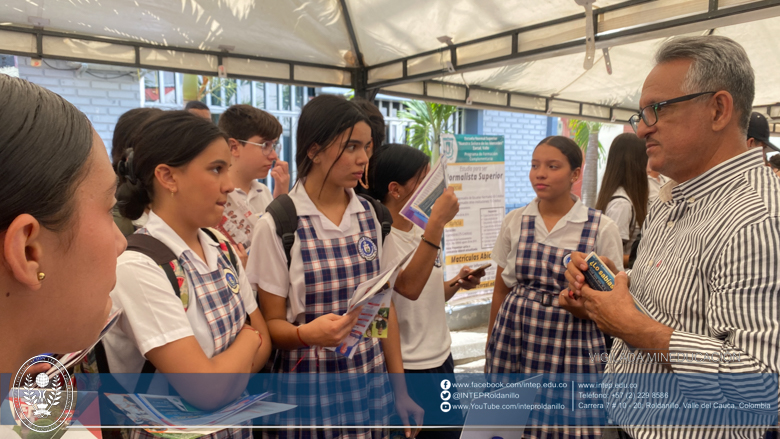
(153, 316)
(425, 336)
(566, 234)
(620, 210)
(267, 268)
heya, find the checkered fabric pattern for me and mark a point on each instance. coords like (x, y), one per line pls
(224, 310)
(327, 387)
(532, 334)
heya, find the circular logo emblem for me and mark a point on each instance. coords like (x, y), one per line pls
(445, 384)
(446, 395)
(232, 281)
(449, 148)
(42, 400)
(366, 248)
(445, 407)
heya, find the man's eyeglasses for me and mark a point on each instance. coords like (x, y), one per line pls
(649, 114)
(267, 146)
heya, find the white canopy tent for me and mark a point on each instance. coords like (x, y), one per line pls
(523, 56)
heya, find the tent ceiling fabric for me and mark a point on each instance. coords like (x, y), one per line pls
(524, 55)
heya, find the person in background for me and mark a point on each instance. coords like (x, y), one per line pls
(654, 183)
(199, 109)
(395, 173)
(758, 132)
(253, 137)
(377, 123)
(623, 195)
(59, 243)
(127, 126)
(528, 331)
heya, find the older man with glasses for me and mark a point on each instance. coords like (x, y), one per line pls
(707, 275)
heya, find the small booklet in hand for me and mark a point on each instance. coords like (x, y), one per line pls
(598, 276)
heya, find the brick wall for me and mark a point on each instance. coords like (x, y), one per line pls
(102, 93)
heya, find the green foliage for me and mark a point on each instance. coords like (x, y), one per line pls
(429, 122)
(581, 130)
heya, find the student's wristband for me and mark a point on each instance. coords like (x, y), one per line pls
(298, 332)
(429, 242)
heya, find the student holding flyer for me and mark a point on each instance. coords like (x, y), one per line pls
(395, 174)
(528, 330)
(336, 246)
(253, 137)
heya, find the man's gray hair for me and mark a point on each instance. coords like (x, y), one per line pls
(719, 63)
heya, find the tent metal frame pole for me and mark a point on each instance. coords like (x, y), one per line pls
(549, 103)
(569, 47)
(40, 33)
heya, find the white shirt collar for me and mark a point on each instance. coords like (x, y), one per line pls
(254, 187)
(577, 214)
(306, 207)
(159, 229)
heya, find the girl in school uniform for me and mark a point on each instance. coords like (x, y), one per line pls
(395, 173)
(528, 331)
(624, 189)
(178, 165)
(337, 246)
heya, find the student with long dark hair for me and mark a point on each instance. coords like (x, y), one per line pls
(178, 165)
(624, 188)
(59, 243)
(528, 330)
(127, 126)
(337, 245)
(394, 174)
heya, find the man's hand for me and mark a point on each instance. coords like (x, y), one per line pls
(613, 311)
(573, 304)
(281, 175)
(577, 266)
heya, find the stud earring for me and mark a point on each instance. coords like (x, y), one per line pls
(41, 276)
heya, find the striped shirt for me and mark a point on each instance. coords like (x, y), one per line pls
(708, 266)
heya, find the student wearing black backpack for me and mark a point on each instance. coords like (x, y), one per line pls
(318, 243)
(185, 296)
(624, 190)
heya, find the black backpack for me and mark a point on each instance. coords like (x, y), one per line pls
(282, 210)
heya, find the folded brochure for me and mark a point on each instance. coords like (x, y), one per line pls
(374, 295)
(73, 358)
(418, 208)
(173, 411)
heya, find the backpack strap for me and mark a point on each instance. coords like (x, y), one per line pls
(159, 252)
(162, 256)
(231, 253)
(382, 214)
(282, 210)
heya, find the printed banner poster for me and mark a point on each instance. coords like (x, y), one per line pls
(475, 168)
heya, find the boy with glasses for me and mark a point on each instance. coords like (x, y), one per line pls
(254, 146)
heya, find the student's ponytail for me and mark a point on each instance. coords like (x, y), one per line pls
(173, 138)
(132, 197)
